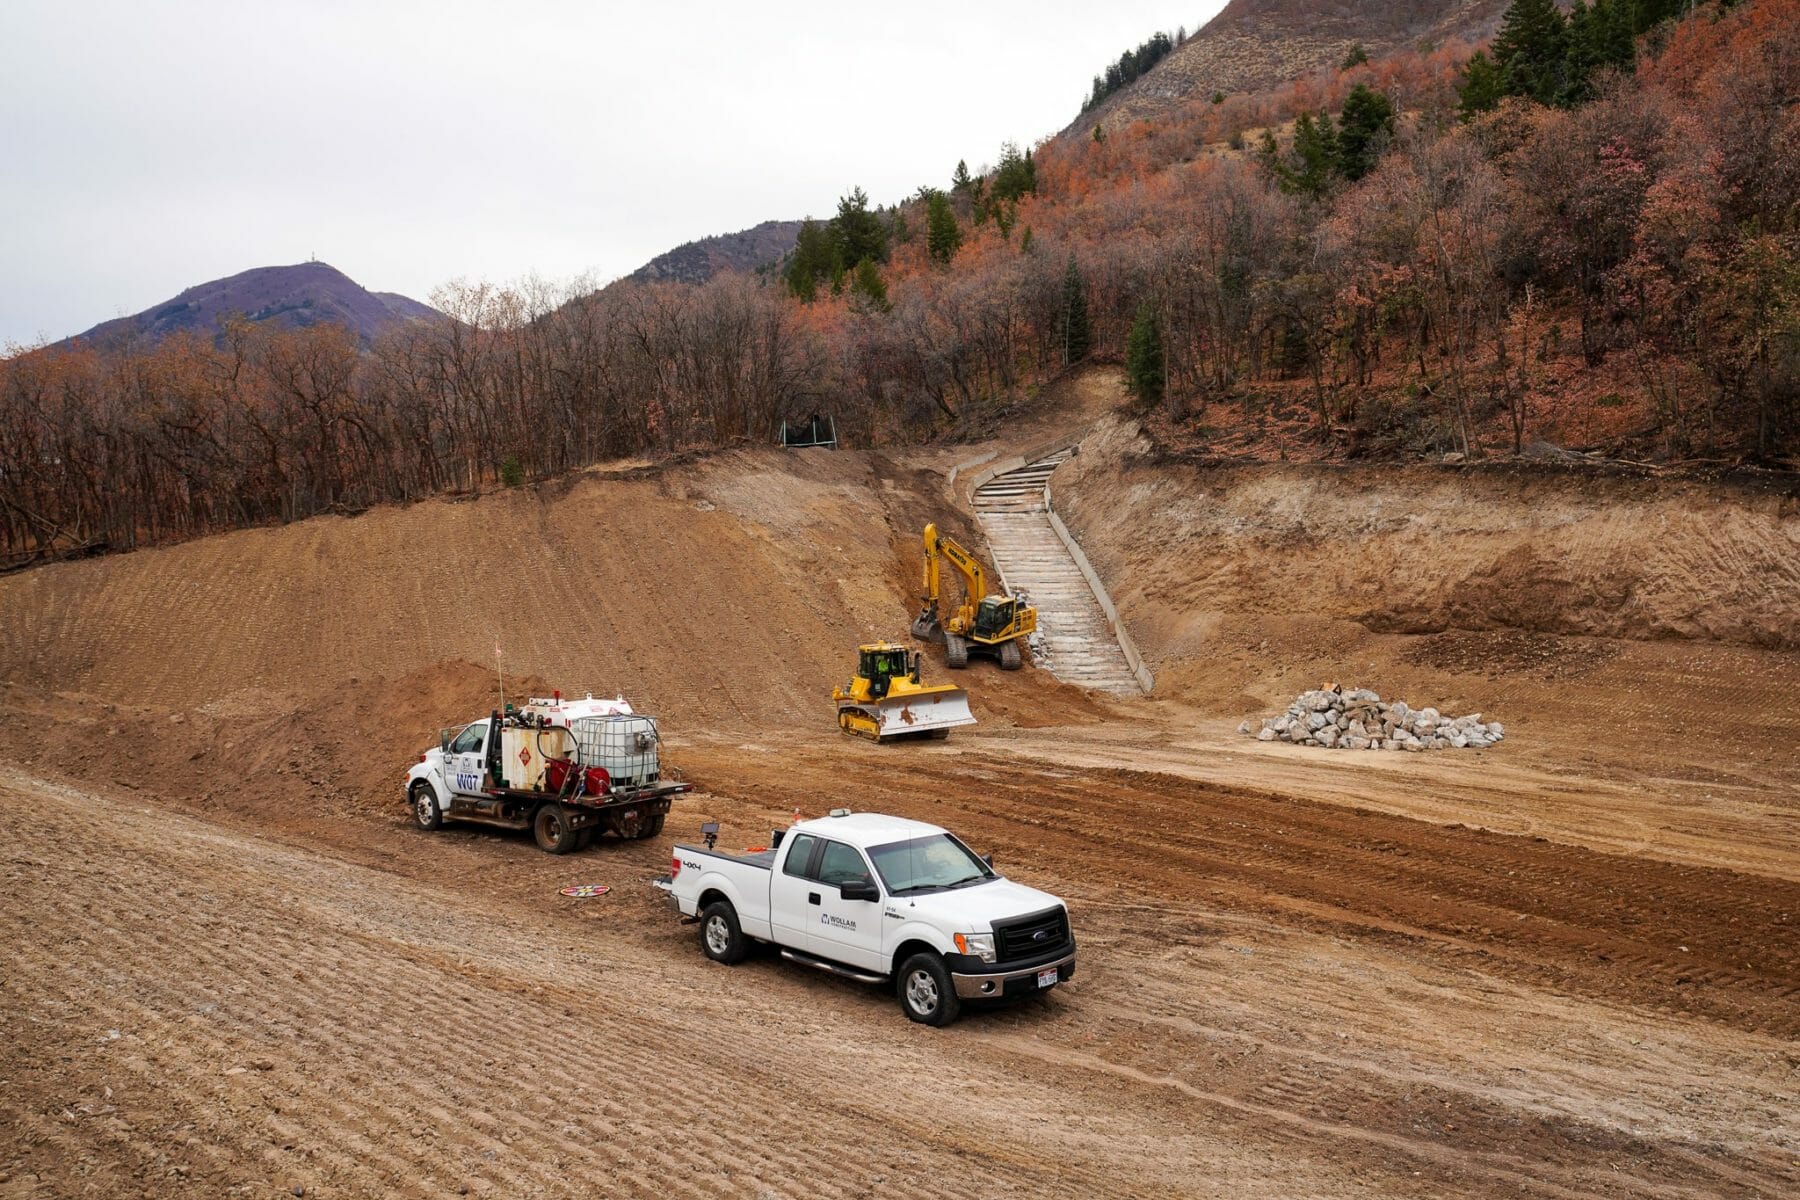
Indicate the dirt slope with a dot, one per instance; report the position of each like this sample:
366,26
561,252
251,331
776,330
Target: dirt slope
728,592
1429,549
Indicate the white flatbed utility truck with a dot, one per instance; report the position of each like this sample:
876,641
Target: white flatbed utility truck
564,769
878,898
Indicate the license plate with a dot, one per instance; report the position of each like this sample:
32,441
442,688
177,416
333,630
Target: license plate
1047,978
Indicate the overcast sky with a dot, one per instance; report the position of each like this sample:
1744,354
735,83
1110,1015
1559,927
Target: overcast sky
149,145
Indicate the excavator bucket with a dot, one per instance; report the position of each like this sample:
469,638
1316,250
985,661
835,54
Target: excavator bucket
935,711
926,626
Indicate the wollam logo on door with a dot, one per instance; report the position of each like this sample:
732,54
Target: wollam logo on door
841,923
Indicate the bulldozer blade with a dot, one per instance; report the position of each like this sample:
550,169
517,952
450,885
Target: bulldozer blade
943,708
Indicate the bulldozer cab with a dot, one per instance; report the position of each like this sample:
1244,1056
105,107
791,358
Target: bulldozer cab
881,664
995,616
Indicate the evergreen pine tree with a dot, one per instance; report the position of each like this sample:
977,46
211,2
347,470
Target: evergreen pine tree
960,182
814,259
1482,86
1316,155
1531,50
1144,356
1599,36
1584,45
1356,58
1015,176
1077,339
857,233
943,236
1364,128
1005,213
1268,153
867,286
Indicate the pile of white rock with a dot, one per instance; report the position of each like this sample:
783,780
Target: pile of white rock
1358,719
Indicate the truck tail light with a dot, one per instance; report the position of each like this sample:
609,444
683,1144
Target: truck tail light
421,758
674,867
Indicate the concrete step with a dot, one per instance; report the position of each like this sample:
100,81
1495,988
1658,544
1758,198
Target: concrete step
1073,630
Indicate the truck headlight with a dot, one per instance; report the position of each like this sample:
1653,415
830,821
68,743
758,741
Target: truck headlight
981,945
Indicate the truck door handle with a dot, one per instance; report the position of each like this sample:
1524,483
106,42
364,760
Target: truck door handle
812,897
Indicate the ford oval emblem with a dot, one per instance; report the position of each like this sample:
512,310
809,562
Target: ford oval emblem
1040,935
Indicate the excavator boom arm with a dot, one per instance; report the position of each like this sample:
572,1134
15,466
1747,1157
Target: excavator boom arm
974,575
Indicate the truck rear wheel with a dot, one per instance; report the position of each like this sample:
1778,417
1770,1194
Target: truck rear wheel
649,827
552,830
720,937
927,994
425,810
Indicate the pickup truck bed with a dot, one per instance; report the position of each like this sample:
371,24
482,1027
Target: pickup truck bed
761,858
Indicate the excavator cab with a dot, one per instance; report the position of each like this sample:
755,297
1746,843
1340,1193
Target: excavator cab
989,624
994,617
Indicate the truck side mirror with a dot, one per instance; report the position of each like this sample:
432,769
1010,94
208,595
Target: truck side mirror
858,889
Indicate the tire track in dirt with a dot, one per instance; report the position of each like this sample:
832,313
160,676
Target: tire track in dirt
1682,939
313,974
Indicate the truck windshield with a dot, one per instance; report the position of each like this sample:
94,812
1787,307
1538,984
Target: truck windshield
928,863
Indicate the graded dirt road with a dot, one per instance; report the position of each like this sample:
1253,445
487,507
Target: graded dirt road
1565,966
1276,998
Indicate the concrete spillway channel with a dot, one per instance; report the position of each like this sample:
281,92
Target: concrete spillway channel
1079,638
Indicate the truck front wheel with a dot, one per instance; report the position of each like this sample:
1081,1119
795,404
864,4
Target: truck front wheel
720,938
425,810
926,992
552,830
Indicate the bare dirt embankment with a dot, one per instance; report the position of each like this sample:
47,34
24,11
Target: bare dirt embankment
1561,966
1425,549
728,592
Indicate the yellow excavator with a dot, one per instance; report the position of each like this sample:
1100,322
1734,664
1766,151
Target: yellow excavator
991,626
887,699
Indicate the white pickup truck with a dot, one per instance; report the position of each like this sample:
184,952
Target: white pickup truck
875,898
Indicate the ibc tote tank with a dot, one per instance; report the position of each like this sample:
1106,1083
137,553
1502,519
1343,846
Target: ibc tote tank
626,747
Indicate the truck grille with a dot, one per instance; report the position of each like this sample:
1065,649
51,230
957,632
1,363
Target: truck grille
1031,936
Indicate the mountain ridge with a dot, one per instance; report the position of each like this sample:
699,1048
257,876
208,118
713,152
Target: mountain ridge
1256,44
295,296
761,245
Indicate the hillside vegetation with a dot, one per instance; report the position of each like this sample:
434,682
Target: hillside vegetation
1259,45
1377,259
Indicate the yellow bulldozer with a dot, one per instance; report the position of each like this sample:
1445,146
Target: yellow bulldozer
992,626
887,699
